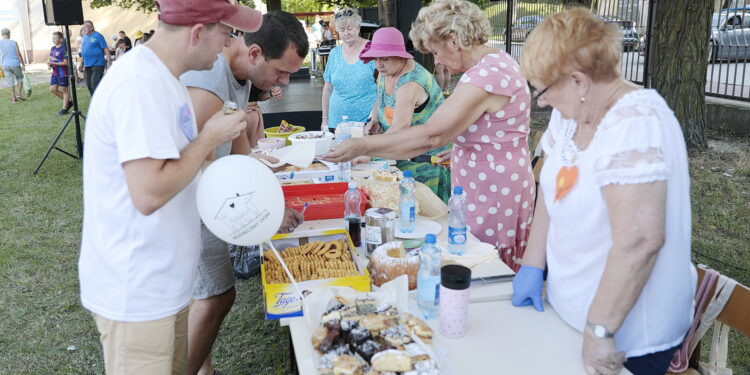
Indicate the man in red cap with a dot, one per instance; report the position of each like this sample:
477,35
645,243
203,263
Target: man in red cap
141,230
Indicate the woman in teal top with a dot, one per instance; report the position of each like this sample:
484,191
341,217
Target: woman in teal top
407,95
349,89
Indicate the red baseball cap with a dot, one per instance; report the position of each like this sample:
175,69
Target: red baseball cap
191,12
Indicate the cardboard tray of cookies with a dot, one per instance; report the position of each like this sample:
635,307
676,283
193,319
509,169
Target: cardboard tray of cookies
320,169
317,260
372,333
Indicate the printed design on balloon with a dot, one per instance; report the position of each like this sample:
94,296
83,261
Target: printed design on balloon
241,214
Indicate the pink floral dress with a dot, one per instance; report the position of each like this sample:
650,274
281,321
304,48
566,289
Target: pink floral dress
490,160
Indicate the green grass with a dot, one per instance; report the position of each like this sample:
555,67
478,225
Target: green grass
40,226
40,230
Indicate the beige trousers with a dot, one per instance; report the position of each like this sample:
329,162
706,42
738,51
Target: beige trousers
156,347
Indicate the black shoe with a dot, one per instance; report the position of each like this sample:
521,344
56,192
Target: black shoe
62,112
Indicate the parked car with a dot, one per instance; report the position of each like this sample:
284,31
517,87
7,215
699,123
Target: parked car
730,36
630,38
523,26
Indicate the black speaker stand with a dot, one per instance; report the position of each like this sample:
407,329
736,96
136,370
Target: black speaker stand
74,115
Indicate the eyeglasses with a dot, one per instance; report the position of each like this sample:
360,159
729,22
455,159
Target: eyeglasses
346,13
537,94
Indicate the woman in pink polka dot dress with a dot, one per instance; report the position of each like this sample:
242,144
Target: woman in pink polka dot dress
491,160
487,119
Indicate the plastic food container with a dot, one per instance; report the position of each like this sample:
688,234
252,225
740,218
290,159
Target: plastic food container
267,144
274,132
325,201
323,140
356,129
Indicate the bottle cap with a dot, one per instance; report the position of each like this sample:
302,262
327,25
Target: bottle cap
458,190
407,174
430,238
455,276
352,184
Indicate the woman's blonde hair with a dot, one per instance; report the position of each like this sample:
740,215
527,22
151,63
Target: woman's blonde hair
346,17
572,40
436,22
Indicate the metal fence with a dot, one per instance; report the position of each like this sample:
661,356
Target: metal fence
729,45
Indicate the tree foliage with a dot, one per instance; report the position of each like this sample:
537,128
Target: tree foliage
304,6
146,6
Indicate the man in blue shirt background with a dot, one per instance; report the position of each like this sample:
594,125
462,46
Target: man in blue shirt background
95,54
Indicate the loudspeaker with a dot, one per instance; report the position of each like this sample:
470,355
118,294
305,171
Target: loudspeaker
63,12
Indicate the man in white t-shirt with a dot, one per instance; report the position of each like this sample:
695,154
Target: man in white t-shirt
141,230
263,59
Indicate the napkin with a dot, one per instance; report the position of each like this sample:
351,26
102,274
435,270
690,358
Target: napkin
476,253
298,155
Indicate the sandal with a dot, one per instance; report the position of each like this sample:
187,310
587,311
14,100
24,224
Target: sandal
20,98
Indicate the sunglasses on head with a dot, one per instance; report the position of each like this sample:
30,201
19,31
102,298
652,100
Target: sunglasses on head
346,13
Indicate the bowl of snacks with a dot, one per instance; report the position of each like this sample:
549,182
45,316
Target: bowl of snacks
323,140
268,144
283,131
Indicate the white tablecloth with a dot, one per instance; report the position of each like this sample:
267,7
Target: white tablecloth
500,339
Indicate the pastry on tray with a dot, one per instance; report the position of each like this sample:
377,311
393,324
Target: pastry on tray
360,337
390,262
315,166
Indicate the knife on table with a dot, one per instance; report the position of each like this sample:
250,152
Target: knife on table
492,279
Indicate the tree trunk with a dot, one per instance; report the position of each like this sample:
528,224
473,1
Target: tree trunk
387,13
679,61
273,5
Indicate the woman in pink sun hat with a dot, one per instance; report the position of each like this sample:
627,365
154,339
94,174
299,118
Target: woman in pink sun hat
408,95
487,119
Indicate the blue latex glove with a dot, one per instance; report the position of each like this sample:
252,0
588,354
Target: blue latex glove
527,287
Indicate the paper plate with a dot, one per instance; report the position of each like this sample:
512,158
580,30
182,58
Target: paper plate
240,200
421,228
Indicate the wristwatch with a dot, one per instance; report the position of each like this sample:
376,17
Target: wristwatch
600,331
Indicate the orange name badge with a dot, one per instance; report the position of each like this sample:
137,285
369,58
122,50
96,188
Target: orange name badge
389,114
565,180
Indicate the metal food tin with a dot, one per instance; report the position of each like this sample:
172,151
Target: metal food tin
379,227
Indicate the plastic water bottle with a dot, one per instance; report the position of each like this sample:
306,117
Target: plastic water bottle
353,214
345,167
457,222
428,278
407,208
344,126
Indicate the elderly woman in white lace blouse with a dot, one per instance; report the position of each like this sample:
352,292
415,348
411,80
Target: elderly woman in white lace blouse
612,218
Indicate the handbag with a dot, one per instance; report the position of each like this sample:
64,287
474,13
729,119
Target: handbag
26,85
246,262
704,318
717,359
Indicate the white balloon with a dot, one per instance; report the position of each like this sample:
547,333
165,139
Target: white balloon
240,200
